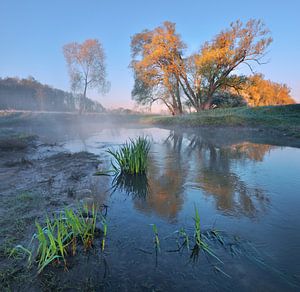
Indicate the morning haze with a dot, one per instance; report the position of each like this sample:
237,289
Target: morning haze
149,146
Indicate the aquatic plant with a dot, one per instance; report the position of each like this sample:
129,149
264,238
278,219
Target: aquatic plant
132,157
186,241
156,238
200,242
197,229
61,234
104,225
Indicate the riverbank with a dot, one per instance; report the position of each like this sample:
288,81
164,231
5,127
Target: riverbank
283,119
277,121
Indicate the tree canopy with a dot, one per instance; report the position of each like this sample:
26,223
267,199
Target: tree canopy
259,92
163,72
86,64
157,63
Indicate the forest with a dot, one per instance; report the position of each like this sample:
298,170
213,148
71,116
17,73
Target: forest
29,94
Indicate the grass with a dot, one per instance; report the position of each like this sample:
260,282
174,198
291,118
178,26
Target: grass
156,237
200,242
132,157
284,118
104,226
61,235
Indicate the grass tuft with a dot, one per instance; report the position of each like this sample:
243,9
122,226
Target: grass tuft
61,235
200,242
132,157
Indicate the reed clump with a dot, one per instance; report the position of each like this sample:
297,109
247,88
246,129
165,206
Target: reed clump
61,236
132,157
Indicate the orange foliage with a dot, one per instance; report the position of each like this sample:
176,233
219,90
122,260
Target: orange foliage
157,62
217,60
261,92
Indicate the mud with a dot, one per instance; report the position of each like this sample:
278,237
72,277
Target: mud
37,178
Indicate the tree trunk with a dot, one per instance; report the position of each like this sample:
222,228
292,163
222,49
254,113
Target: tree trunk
179,104
83,102
207,104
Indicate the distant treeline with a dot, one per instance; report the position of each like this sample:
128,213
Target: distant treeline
30,94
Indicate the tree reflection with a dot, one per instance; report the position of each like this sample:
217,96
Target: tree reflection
166,178
190,160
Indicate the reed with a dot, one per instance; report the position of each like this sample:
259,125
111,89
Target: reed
156,238
200,242
132,157
104,226
61,235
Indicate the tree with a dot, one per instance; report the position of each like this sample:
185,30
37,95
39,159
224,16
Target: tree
260,92
164,73
218,59
156,64
86,64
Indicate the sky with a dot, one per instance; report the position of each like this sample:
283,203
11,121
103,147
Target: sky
32,34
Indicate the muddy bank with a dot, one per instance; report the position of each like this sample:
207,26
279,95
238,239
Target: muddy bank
37,178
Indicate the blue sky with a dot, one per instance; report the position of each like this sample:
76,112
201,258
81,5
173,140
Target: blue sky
33,32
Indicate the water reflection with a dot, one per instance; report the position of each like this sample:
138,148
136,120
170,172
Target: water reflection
166,178
135,185
188,161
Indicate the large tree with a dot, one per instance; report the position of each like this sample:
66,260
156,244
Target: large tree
86,64
156,63
164,73
217,60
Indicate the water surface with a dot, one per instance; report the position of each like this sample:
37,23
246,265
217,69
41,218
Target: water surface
247,191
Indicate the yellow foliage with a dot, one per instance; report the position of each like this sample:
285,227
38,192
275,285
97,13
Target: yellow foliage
261,92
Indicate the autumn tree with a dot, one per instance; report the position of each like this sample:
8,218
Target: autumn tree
159,63
259,92
217,60
156,62
86,64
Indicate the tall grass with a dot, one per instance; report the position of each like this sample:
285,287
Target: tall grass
200,242
62,234
132,157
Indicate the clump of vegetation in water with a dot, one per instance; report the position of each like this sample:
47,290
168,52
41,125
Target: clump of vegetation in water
199,239
62,234
132,157
200,242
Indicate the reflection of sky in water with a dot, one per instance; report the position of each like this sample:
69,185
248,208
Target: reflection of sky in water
247,189
111,136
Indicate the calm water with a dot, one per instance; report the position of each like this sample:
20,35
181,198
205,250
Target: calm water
249,192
